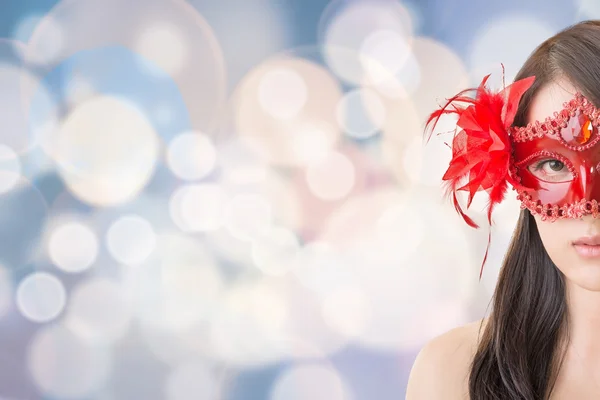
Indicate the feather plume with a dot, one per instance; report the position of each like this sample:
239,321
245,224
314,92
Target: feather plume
481,146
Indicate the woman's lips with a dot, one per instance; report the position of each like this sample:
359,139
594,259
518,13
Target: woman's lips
588,251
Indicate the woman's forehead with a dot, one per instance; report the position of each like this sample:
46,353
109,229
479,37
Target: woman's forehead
549,99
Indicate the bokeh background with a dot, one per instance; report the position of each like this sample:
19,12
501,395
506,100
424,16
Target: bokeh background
232,199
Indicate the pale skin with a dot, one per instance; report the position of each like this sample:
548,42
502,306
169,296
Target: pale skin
441,368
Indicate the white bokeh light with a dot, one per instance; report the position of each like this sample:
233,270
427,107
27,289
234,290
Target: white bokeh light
190,381
361,113
399,275
399,227
282,93
275,251
321,268
79,89
508,40
390,64
25,26
73,246
41,297
164,45
64,366
248,329
346,310
99,310
191,156
346,26
131,239
54,39
10,168
179,287
241,162
313,141
275,136
310,382
198,207
426,164
331,177
21,124
247,216
106,150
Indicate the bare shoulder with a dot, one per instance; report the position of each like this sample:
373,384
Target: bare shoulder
441,368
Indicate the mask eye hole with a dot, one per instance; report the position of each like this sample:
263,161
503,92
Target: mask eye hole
551,170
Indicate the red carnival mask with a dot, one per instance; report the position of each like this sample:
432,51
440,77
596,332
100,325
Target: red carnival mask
551,164
557,159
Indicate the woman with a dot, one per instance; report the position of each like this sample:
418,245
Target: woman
541,135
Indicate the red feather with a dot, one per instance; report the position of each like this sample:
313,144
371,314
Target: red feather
481,149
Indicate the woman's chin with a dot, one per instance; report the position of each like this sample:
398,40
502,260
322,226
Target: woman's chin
586,277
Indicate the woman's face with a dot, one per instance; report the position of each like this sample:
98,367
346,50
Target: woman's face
559,236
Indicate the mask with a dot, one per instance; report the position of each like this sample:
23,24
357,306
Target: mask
558,159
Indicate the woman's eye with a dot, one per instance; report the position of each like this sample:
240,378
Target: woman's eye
551,170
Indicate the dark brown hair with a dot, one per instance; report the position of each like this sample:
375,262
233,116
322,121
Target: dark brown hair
521,348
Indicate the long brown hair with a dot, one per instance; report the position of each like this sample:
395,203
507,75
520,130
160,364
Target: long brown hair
520,351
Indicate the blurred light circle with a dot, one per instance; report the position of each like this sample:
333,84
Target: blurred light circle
241,162
99,311
191,156
282,195
10,168
41,297
404,282
106,151
192,380
78,90
277,137
399,226
6,291
198,207
443,74
275,251
230,249
346,28
308,329
73,246
426,163
310,382
131,239
64,366
317,201
390,64
321,268
346,310
282,93
170,35
313,141
248,329
386,49
55,40
165,45
401,128
25,26
180,286
508,40
247,216
361,113
332,177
